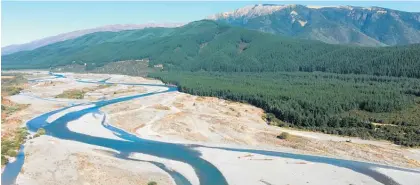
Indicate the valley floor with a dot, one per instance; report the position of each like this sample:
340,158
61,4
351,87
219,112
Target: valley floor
181,118
184,118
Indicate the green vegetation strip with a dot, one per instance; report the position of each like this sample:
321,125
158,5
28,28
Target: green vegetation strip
9,109
352,105
73,94
11,86
80,93
10,146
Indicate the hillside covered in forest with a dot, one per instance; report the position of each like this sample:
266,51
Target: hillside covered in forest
337,89
211,46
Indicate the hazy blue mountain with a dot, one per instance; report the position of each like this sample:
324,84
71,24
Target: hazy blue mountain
373,26
74,34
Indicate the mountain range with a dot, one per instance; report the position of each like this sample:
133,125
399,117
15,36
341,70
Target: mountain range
74,34
214,46
372,26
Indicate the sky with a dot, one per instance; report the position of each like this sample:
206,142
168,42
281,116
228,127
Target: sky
25,21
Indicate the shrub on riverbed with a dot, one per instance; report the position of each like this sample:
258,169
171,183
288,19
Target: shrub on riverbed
72,94
284,135
12,90
10,145
40,132
13,85
152,183
4,160
21,133
11,153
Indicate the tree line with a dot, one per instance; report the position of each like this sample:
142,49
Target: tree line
318,101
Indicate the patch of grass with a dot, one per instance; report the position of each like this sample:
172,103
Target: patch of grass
11,90
10,108
105,86
80,93
10,146
72,94
272,120
40,132
284,135
161,107
12,84
152,183
4,160
11,153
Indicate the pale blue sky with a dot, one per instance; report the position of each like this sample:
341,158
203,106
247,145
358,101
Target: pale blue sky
27,21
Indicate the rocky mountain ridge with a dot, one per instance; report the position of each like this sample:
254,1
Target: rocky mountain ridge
366,26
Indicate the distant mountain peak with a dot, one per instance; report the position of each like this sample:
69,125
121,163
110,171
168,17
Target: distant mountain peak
251,11
266,9
319,7
367,26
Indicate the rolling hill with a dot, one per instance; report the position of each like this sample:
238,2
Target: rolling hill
74,34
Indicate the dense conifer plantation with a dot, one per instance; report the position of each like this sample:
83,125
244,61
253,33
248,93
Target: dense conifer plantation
353,105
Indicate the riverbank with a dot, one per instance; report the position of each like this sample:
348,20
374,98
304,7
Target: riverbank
180,118
237,167
183,118
50,160
65,155
248,168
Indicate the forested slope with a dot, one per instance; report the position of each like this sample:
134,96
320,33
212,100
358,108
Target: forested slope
353,105
275,73
210,46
